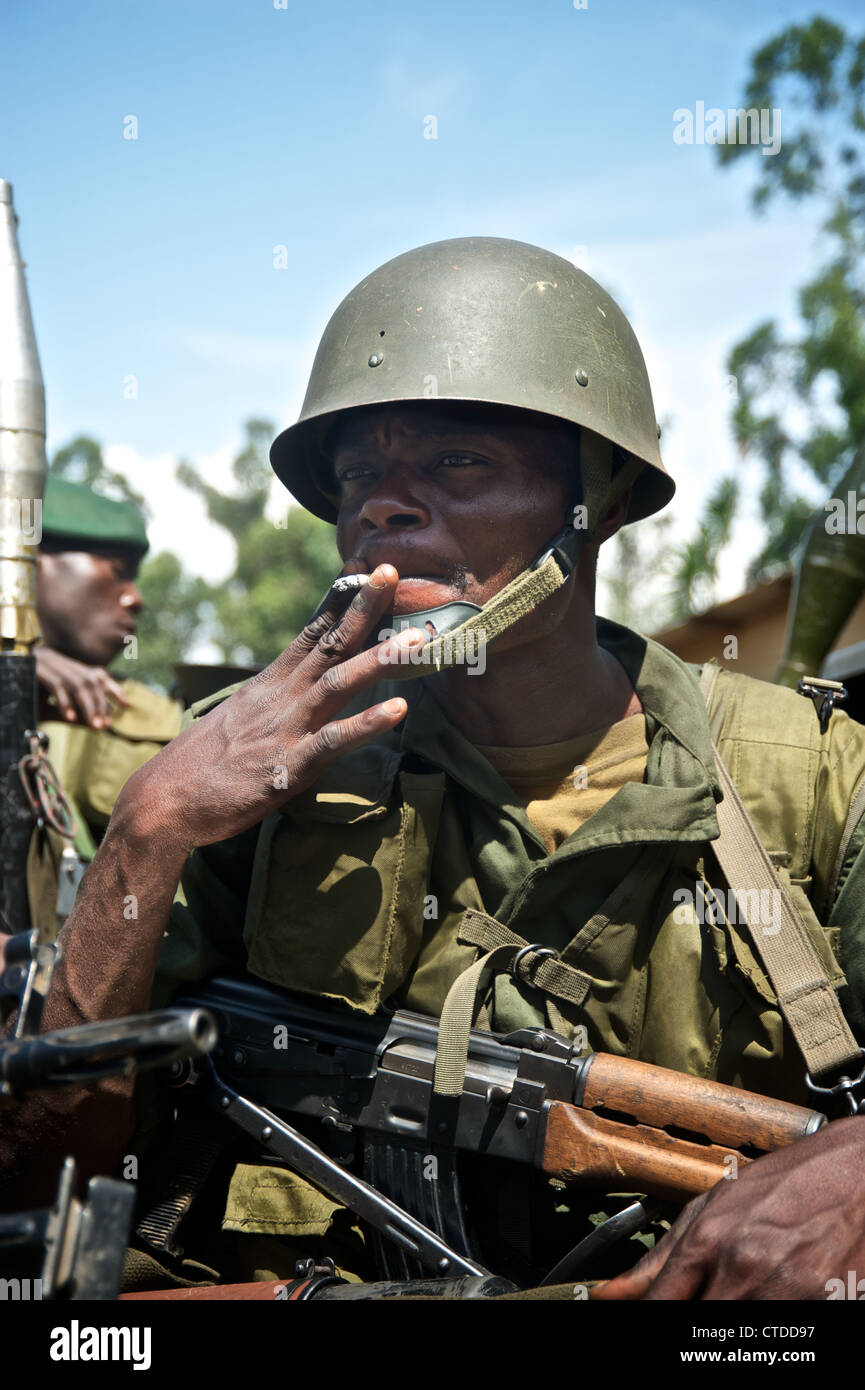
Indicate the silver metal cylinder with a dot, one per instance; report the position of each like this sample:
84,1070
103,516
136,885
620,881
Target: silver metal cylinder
22,442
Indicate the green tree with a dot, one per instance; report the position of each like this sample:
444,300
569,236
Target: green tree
177,606
281,570
251,470
81,461
800,404
634,571
696,562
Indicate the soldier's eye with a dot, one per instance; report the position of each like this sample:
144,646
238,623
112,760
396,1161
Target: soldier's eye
355,470
459,460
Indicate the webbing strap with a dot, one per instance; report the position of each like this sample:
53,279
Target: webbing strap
548,973
457,1016
805,996
506,607
456,1021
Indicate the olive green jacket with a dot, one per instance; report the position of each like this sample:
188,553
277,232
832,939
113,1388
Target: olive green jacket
92,766
356,889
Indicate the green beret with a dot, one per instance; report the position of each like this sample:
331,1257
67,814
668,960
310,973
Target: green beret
76,513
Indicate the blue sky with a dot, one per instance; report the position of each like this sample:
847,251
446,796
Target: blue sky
303,126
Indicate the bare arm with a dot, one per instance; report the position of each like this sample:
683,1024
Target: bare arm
214,781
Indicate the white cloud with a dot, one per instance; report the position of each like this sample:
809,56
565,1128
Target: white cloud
178,520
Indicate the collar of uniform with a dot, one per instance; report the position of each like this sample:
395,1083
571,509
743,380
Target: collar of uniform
669,691
675,803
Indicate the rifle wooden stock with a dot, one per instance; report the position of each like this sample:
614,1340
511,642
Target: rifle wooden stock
582,1147
722,1114
215,1293
618,1134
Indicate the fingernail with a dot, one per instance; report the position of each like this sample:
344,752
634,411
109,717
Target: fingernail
380,573
393,706
410,637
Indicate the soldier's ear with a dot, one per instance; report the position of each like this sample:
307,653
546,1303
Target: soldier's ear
614,519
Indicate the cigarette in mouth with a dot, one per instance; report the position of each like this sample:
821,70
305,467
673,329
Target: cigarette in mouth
349,583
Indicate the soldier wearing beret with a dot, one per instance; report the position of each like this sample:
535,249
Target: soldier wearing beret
101,728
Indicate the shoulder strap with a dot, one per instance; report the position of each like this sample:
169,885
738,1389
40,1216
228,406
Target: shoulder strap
805,996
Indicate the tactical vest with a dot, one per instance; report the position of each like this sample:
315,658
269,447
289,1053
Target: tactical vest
663,971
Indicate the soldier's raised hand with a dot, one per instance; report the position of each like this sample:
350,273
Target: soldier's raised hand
275,736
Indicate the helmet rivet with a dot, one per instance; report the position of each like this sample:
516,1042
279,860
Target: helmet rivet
582,378
376,359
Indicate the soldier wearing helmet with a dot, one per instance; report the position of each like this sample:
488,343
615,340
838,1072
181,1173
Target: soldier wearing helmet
373,814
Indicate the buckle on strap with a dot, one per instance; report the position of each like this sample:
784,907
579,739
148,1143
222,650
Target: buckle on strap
825,695
565,546
846,1087
527,951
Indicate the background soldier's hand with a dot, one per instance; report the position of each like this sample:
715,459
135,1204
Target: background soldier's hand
274,737
786,1226
82,694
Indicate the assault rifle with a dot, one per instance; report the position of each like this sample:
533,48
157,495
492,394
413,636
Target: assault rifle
530,1096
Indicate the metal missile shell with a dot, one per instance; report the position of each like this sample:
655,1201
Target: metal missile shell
22,443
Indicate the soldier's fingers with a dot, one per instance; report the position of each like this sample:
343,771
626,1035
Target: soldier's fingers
87,706
347,636
342,681
683,1277
116,691
63,700
328,612
94,683
332,740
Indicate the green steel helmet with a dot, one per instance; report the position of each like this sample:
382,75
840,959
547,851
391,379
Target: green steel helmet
486,320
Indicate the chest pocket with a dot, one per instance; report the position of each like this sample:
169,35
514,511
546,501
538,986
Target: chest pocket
336,904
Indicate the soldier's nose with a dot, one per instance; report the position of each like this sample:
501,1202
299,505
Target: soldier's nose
131,599
390,514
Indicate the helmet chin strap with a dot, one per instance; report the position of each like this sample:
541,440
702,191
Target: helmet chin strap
460,629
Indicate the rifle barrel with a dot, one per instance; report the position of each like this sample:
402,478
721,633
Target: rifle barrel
116,1047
